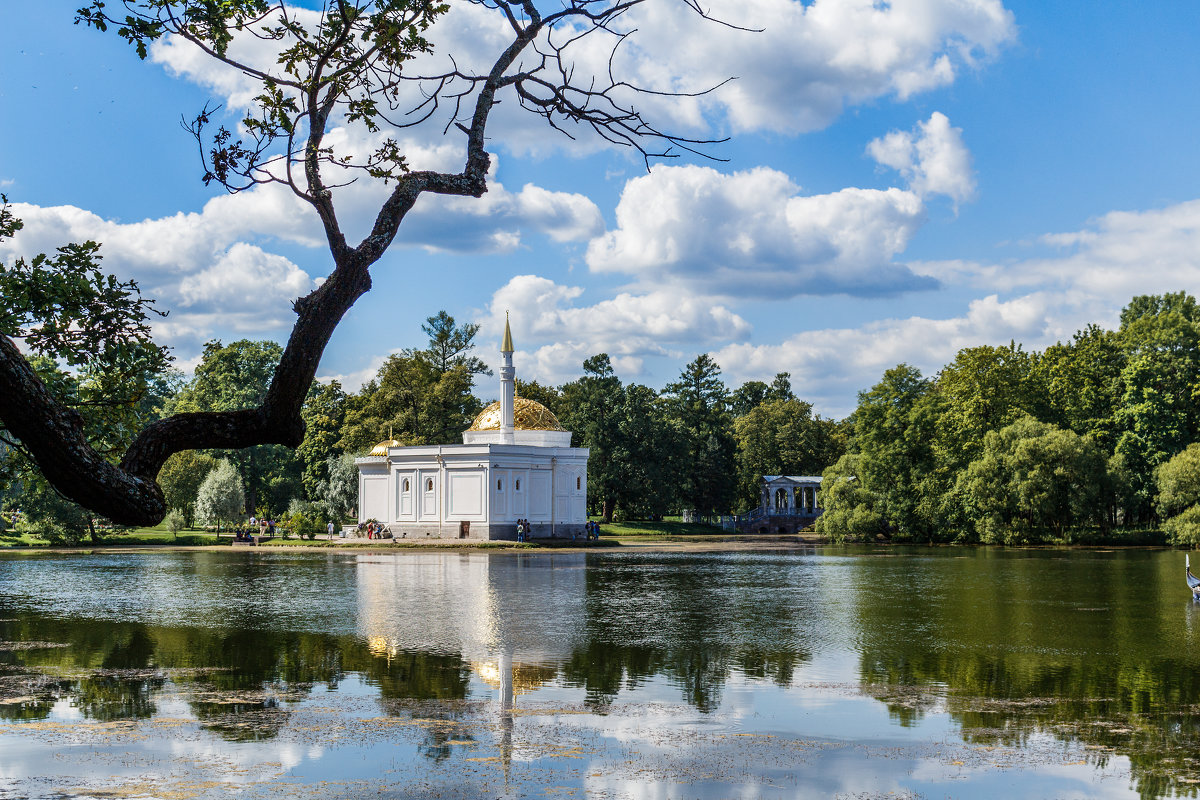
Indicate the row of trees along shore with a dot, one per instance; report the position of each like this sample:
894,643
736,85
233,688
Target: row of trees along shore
1097,438
696,444
1094,439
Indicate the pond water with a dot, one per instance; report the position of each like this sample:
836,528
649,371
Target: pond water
827,672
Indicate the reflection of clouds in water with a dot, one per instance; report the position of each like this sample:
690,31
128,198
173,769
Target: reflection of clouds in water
719,765
65,710
250,762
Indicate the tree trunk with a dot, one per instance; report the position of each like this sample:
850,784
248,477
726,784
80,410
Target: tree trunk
608,509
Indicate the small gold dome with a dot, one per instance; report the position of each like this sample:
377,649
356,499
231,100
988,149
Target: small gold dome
381,449
528,415
525,677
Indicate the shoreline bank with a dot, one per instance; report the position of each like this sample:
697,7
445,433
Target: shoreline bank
644,544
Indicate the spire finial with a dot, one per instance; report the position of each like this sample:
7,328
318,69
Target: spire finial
507,345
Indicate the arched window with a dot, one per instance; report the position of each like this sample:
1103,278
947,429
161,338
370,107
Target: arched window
517,485
578,483
429,484
499,484
406,484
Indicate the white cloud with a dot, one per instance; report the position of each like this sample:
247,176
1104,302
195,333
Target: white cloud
496,221
1120,255
806,64
355,380
234,282
556,334
830,366
810,60
932,158
750,234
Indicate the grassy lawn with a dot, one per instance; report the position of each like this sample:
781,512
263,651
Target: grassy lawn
160,535
659,529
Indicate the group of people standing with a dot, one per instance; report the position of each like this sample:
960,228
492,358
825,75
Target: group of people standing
591,530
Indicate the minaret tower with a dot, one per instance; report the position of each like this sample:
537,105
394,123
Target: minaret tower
508,385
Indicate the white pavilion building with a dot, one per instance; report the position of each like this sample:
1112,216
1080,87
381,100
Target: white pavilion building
515,462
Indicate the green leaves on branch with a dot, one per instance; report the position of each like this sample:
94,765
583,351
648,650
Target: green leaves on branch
347,61
65,308
212,22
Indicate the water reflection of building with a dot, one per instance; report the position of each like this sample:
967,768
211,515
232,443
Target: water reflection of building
476,605
514,618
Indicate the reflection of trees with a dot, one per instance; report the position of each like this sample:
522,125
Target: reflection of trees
693,620
238,683
119,660
1042,645
109,697
411,674
27,698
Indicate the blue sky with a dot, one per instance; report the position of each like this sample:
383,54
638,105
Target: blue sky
901,181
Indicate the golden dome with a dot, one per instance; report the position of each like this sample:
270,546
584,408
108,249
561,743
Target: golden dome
528,415
525,677
381,449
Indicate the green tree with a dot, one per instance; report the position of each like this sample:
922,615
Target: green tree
338,494
752,394
221,497
96,384
228,377
346,68
175,522
699,402
593,414
181,477
892,433
49,515
421,396
452,406
1178,482
985,388
324,417
1184,528
1033,479
850,508
1158,415
647,451
1083,383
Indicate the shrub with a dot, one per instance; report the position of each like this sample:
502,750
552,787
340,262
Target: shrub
53,531
1184,528
175,522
